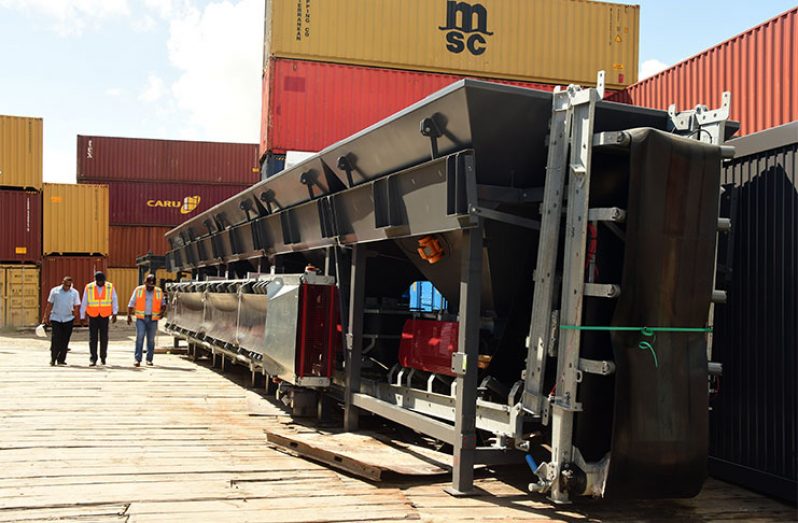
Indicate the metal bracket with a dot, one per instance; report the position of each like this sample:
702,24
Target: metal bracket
499,216
602,290
606,214
708,124
459,363
600,367
612,139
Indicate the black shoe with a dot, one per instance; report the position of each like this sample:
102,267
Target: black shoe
149,363
52,363
103,362
62,363
93,364
137,364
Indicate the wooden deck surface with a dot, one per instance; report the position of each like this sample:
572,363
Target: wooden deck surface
183,442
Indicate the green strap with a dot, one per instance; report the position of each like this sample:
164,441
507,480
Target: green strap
645,331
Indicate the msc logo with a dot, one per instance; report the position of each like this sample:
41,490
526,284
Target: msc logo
466,27
188,205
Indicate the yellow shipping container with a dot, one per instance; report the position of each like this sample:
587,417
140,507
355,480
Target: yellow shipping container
126,280
19,287
75,219
549,41
21,152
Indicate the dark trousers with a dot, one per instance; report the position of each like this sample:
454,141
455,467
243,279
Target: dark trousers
62,332
98,330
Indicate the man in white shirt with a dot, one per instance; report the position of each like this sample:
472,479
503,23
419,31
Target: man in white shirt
60,313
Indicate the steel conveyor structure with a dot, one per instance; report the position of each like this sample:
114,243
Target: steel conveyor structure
573,240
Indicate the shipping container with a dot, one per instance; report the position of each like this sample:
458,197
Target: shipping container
753,425
310,105
80,268
549,41
21,219
126,281
164,204
126,243
759,67
21,152
19,289
75,219
104,159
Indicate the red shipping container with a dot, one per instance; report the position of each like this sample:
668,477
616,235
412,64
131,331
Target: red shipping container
310,105
163,204
759,67
103,159
81,268
21,218
127,243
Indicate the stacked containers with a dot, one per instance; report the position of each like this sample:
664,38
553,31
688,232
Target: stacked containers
321,84
758,67
155,185
20,215
75,237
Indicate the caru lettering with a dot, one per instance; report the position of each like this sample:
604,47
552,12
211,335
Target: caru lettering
466,27
186,206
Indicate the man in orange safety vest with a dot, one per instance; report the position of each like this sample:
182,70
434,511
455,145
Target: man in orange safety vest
100,304
147,303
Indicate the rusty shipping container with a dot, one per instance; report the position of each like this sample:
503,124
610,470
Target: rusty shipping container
21,219
754,417
104,159
75,219
126,243
548,41
19,295
21,152
81,268
307,106
164,204
759,67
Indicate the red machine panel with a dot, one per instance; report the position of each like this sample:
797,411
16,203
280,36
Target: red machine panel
318,338
428,345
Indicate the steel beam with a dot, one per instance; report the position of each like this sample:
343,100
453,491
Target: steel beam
408,418
464,363
354,345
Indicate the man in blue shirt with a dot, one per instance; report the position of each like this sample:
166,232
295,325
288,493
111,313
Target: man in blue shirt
60,313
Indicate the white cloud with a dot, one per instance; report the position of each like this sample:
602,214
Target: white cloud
71,17
154,90
144,24
114,92
217,51
651,67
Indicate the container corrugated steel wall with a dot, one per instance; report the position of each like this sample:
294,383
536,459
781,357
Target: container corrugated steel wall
759,67
127,243
164,204
309,105
549,41
75,219
753,418
21,219
21,152
103,159
81,268
19,289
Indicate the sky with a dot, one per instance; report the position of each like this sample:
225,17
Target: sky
191,69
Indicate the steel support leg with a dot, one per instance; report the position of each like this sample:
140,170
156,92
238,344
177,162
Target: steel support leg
464,363
354,340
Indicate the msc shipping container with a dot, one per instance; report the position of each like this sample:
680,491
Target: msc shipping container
753,425
80,268
759,67
19,290
127,243
21,152
104,159
308,105
75,219
549,41
164,204
21,219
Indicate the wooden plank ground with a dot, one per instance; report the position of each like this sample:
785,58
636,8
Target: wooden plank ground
182,442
